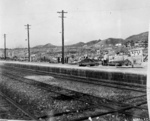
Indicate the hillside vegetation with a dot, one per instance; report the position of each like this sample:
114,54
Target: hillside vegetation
81,47
143,37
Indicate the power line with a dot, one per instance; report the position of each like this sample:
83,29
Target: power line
28,41
62,16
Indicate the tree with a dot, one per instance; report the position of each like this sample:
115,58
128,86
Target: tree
132,43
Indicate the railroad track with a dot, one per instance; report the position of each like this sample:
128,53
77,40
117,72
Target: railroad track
114,107
112,110
47,86
7,103
111,84
60,91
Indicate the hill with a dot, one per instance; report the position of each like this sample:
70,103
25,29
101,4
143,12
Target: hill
79,44
108,42
49,45
93,42
141,38
82,47
38,46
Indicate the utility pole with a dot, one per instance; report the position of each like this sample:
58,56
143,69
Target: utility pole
5,46
28,41
62,16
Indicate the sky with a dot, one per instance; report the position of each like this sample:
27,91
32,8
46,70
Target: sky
85,20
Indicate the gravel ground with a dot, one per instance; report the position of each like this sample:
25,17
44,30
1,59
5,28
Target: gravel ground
96,90
43,102
115,94
40,102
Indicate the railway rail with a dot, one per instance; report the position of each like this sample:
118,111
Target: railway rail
8,102
112,106
59,88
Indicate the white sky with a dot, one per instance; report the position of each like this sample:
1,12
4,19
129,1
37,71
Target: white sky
86,20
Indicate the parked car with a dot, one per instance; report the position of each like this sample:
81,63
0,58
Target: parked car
53,60
120,62
88,62
75,62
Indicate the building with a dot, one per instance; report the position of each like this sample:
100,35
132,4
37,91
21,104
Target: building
118,44
1,53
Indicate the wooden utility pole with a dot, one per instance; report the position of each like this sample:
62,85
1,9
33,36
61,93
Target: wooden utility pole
62,16
28,41
5,46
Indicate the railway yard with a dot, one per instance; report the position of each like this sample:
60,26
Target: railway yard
60,93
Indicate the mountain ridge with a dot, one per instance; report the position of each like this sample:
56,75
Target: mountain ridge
142,37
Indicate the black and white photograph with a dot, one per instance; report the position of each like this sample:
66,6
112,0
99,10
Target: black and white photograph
74,60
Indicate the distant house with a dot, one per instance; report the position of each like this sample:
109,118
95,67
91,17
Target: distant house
128,44
136,44
84,46
33,57
1,54
143,44
10,54
98,52
118,44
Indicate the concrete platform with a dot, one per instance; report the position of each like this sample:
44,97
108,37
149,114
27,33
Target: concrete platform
99,73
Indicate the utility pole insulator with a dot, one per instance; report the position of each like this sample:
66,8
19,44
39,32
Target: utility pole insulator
28,41
62,12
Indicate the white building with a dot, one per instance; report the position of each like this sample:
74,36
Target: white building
118,44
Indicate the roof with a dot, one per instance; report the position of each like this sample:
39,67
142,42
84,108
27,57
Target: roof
137,49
